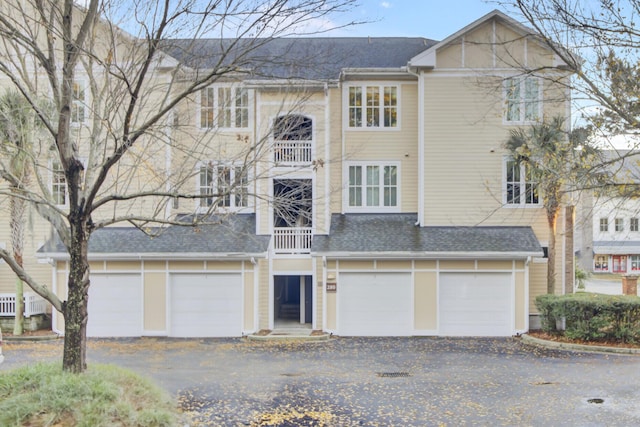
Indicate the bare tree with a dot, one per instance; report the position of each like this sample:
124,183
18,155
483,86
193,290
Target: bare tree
598,42
119,99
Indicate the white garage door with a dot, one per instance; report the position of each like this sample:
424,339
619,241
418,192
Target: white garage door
375,304
206,305
475,304
115,305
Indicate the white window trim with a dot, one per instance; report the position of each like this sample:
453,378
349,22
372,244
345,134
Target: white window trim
363,86
521,80
601,223
522,204
66,191
632,225
233,87
618,225
372,209
81,82
223,209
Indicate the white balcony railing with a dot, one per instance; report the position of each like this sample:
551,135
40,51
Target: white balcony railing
292,153
33,304
292,240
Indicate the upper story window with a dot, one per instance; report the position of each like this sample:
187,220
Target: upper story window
373,187
373,106
227,185
224,107
522,99
78,103
604,224
619,224
520,188
634,224
58,184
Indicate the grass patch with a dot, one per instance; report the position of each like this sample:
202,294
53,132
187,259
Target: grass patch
105,395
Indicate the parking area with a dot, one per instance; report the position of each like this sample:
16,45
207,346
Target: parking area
373,381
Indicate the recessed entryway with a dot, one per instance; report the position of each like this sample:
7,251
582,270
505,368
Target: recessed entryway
292,301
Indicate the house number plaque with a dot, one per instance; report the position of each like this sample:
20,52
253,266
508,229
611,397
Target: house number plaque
332,286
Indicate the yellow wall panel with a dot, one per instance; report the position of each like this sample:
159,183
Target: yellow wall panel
155,302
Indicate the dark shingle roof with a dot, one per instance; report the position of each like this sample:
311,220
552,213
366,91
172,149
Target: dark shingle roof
389,233
320,58
232,235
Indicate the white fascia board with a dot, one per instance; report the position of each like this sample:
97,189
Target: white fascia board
63,256
277,83
397,72
616,250
429,255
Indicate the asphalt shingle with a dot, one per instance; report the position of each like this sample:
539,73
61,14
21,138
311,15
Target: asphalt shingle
233,234
388,233
317,58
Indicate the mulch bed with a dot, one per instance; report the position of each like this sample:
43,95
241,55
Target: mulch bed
559,338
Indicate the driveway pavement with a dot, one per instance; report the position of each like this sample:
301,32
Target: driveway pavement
374,381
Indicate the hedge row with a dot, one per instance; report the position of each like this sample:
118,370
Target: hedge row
591,317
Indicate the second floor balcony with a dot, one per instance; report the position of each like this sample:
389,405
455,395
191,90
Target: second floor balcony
292,153
292,240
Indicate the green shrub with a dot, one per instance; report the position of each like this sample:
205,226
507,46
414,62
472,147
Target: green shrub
592,317
42,394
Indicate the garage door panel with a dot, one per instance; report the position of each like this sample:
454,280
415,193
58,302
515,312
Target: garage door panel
206,305
115,305
475,304
375,304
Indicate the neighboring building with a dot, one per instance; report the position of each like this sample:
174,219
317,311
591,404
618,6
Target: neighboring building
390,206
610,221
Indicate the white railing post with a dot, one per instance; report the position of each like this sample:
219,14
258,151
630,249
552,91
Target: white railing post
292,240
33,304
292,153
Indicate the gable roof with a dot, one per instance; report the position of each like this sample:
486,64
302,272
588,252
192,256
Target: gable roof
228,237
311,58
396,235
427,58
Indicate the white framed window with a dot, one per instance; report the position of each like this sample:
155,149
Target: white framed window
604,224
635,262
78,103
520,188
373,106
634,224
619,224
601,263
58,184
226,184
523,99
224,107
373,187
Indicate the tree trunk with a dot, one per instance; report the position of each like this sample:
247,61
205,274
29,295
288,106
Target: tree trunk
569,267
17,224
18,323
74,358
552,219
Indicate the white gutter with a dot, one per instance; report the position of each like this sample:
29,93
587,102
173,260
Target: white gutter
421,148
63,256
429,255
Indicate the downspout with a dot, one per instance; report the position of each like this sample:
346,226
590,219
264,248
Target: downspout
527,313
421,143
